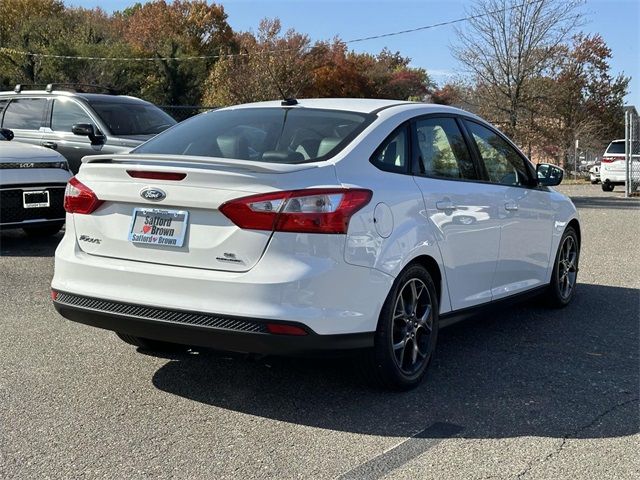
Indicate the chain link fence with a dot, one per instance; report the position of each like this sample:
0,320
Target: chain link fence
181,113
632,151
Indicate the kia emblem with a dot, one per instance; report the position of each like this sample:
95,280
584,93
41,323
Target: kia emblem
153,194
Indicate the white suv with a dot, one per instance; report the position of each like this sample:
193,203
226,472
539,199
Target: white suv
613,165
326,224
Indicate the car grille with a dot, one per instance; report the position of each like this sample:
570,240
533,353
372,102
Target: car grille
152,313
13,211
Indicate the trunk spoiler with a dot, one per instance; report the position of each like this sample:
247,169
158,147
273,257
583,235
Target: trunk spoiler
196,161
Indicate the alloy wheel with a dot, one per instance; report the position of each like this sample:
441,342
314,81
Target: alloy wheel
567,267
412,326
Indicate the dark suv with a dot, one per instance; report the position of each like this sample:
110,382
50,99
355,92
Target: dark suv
76,124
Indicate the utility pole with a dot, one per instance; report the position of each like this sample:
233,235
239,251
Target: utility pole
575,160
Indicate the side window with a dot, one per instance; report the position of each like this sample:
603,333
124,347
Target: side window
504,165
3,104
393,154
442,151
24,113
66,113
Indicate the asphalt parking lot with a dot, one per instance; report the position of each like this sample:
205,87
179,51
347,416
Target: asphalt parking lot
526,393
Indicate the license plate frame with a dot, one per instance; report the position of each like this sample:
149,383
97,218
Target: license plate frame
43,203
162,235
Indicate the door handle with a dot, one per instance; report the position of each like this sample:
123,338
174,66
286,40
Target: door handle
511,207
52,145
446,205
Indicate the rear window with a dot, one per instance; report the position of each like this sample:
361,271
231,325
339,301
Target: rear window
277,135
128,118
616,147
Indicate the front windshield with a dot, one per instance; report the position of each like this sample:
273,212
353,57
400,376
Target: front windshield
268,134
128,118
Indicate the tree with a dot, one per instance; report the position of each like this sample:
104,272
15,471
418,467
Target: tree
506,46
587,102
271,64
168,31
260,67
33,26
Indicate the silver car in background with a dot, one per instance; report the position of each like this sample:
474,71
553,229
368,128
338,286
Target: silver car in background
32,184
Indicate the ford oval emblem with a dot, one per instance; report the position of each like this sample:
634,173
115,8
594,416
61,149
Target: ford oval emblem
153,194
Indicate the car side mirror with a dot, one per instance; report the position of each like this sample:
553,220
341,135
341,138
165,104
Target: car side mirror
6,133
88,130
549,175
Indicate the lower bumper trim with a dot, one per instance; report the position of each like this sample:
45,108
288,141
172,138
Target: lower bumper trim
228,333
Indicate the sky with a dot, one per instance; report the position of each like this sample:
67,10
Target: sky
618,21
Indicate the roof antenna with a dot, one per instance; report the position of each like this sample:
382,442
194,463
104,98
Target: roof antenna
286,101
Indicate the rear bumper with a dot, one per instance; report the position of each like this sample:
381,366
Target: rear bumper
301,279
221,332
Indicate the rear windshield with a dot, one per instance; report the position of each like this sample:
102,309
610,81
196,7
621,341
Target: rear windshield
616,147
277,135
124,119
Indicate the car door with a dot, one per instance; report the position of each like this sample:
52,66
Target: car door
462,210
24,116
65,112
526,213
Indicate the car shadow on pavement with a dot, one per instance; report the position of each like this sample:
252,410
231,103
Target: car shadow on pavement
527,371
16,243
607,202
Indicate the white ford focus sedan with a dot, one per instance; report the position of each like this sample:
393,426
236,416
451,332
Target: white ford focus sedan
298,227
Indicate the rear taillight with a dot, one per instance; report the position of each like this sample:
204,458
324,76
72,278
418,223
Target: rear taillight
609,159
78,198
316,210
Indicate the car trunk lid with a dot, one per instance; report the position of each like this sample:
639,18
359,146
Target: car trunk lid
190,205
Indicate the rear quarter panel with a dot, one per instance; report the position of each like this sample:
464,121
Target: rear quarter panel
410,235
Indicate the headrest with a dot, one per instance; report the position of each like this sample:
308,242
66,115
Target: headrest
327,144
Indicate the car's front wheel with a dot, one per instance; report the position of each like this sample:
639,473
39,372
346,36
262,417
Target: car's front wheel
565,270
607,187
405,339
151,345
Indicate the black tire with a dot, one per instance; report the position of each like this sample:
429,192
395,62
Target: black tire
43,230
394,368
607,187
564,271
151,345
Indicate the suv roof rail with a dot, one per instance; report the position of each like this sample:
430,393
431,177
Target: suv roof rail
74,87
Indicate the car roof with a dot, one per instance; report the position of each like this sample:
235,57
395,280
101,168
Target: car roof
90,97
361,105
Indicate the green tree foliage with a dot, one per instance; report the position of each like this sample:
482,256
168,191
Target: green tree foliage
167,32
33,26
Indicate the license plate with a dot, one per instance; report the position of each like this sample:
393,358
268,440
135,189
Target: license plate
35,199
152,226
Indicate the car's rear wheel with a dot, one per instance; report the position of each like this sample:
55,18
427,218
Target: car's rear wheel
43,230
565,270
151,345
407,332
607,187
